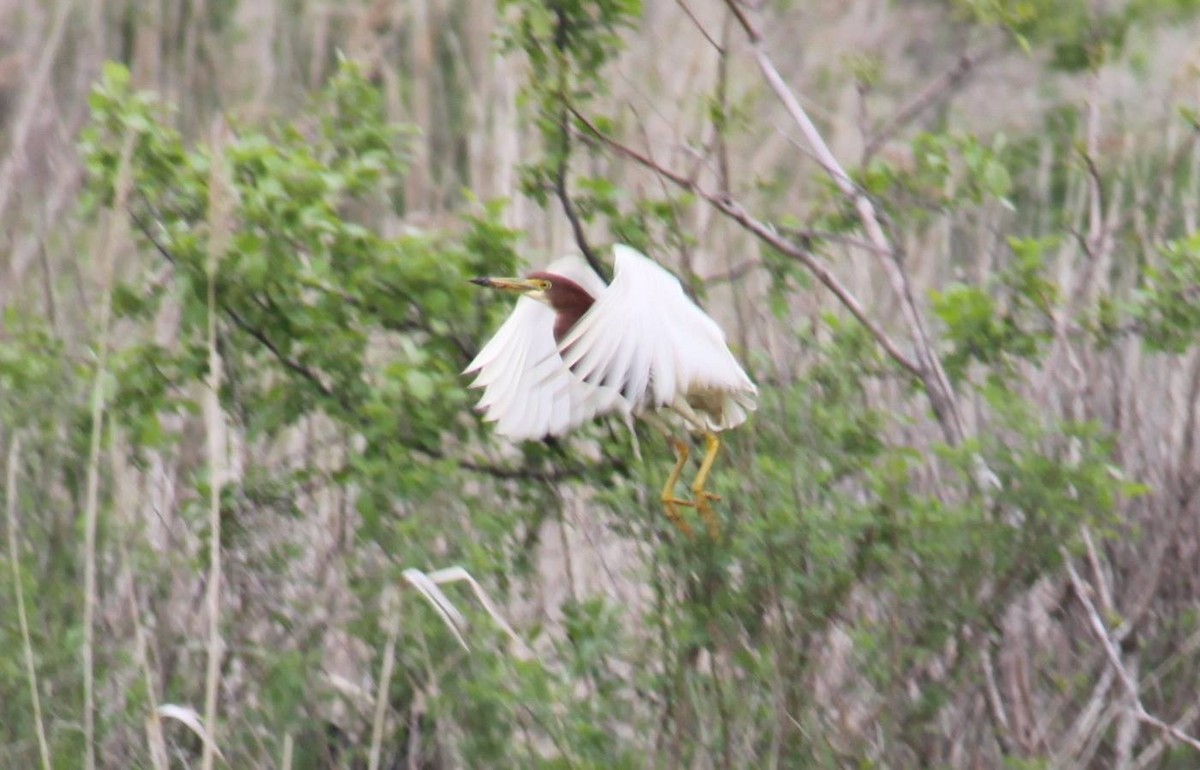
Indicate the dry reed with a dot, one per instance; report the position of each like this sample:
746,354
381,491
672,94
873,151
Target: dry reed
220,203
14,558
114,240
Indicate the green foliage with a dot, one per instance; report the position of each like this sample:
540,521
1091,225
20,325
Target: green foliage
1078,35
304,287
569,34
1167,303
569,44
951,171
321,317
35,375
1000,332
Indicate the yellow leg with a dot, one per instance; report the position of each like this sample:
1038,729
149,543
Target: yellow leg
670,502
700,495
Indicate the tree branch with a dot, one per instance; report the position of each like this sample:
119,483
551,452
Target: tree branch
768,235
1114,659
560,171
937,90
933,376
568,206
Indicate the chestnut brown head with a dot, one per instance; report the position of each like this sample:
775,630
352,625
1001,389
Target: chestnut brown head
568,299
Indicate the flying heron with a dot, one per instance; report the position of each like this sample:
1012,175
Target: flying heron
573,349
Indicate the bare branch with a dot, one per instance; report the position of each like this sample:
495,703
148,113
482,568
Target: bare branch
768,235
687,10
564,156
937,90
1114,658
937,385
568,206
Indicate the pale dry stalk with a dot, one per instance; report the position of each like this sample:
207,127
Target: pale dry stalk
289,743
35,96
115,235
391,612
220,202
14,558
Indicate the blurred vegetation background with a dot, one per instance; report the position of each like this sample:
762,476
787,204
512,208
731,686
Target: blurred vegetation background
240,464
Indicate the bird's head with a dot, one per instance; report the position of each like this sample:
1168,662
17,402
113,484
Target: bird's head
568,299
533,287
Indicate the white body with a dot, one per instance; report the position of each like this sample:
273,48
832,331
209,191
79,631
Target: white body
643,345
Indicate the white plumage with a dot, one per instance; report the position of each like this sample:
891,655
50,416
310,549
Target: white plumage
643,345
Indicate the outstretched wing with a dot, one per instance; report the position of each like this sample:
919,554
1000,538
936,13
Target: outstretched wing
527,391
645,338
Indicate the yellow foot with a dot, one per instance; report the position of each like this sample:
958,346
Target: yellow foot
671,507
701,495
670,502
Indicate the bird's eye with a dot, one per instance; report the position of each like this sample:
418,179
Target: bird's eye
543,285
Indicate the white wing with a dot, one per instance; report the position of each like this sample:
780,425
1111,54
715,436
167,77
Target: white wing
574,267
527,391
647,339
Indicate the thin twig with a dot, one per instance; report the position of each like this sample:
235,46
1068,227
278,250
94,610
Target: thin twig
696,22
568,206
685,252
734,273
1150,756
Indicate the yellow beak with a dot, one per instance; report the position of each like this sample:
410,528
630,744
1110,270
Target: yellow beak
508,284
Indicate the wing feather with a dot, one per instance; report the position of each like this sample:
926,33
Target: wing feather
527,392
645,337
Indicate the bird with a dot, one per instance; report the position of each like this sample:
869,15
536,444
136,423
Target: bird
574,349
